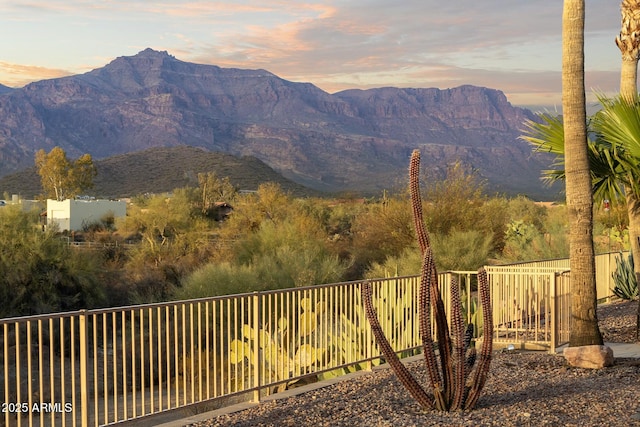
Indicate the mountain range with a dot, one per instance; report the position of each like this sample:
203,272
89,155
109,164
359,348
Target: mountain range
358,140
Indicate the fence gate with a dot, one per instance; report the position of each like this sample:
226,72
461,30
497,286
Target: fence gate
530,307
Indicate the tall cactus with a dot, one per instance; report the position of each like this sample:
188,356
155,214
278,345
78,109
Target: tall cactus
455,378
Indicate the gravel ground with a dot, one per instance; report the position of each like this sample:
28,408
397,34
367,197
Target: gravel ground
523,389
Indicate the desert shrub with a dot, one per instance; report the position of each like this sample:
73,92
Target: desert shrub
407,263
290,254
523,209
459,251
611,228
462,250
218,279
624,278
466,225
250,211
381,230
455,202
39,273
525,243
535,233
173,242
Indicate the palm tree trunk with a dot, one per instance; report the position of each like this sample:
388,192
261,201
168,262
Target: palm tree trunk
628,79
584,327
628,41
633,212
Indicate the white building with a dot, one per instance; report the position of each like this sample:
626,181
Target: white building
74,215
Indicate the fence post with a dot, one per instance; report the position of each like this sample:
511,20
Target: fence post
84,389
553,285
371,342
256,350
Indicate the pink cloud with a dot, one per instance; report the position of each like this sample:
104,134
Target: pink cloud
17,75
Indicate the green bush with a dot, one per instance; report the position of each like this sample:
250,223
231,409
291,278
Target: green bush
288,266
289,254
217,280
407,263
461,250
39,273
456,251
524,242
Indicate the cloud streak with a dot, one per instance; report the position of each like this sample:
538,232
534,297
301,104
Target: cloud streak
20,75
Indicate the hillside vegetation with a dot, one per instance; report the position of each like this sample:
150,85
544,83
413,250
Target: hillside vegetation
160,170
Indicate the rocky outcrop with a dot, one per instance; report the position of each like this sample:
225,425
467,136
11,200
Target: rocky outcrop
355,139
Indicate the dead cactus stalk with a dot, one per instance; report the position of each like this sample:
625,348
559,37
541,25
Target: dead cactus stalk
455,378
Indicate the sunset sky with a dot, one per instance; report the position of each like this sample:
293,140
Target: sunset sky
511,45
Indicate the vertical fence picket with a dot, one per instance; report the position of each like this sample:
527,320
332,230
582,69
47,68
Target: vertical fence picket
254,320
84,383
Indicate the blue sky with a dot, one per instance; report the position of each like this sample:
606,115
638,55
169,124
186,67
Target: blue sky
511,45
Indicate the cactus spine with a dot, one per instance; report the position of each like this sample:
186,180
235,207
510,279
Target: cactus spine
456,380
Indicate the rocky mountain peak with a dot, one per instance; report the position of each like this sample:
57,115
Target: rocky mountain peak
351,140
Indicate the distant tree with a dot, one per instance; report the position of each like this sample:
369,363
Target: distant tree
214,190
62,178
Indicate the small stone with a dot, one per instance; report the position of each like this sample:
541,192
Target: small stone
589,356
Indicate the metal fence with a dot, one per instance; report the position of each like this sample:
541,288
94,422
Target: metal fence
605,266
96,367
531,307
531,301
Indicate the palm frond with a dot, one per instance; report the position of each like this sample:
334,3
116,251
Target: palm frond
610,167
547,136
619,124
607,171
